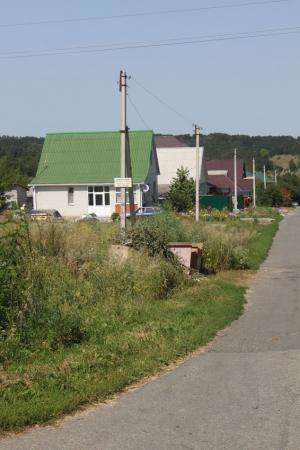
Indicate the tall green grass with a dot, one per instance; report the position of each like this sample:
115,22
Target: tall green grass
78,324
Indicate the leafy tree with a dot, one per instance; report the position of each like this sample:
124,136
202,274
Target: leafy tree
291,182
264,153
23,152
182,191
9,175
272,196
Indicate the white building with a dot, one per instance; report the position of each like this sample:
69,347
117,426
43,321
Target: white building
172,154
76,172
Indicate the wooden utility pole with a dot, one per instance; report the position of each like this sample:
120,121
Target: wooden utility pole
254,184
275,176
197,135
123,130
235,206
265,179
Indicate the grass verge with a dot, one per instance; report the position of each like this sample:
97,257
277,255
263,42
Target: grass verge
128,338
258,248
154,335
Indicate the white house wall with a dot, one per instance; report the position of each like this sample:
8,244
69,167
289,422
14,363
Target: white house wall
172,159
56,197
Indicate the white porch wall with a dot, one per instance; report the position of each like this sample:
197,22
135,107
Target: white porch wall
56,197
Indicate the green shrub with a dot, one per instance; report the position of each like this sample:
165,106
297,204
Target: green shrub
271,196
57,278
154,234
225,246
12,275
115,217
182,191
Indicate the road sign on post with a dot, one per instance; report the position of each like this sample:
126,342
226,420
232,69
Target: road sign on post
123,182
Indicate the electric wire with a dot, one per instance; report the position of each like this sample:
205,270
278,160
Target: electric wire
162,102
152,44
138,112
117,45
141,14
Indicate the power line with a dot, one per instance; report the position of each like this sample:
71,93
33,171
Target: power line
116,46
141,14
138,112
100,48
163,102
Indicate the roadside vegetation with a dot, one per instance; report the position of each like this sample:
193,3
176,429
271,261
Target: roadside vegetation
78,324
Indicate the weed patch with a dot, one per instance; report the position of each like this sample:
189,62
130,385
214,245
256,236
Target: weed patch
78,326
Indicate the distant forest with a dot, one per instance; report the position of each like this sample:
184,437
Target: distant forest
221,146
19,156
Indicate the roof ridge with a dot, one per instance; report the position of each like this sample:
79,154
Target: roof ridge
63,133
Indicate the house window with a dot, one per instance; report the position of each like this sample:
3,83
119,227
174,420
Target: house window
99,195
91,200
71,196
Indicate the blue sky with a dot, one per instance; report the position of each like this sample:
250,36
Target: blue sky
242,86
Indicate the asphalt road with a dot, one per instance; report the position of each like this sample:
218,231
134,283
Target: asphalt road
242,394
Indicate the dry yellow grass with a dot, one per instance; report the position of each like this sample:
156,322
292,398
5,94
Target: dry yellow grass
284,160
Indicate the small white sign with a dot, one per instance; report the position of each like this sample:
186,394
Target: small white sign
123,182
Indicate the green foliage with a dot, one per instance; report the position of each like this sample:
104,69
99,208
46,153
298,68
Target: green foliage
154,234
225,245
10,174
291,182
79,322
271,196
22,152
115,217
221,145
258,248
264,153
128,340
182,191
12,274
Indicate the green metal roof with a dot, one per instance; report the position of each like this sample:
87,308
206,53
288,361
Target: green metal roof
259,176
93,157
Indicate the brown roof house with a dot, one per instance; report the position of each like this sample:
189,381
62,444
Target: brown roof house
221,177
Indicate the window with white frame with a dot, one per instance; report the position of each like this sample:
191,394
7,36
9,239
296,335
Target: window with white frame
99,195
71,196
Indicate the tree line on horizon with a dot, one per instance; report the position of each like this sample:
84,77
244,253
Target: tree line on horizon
263,148
19,156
